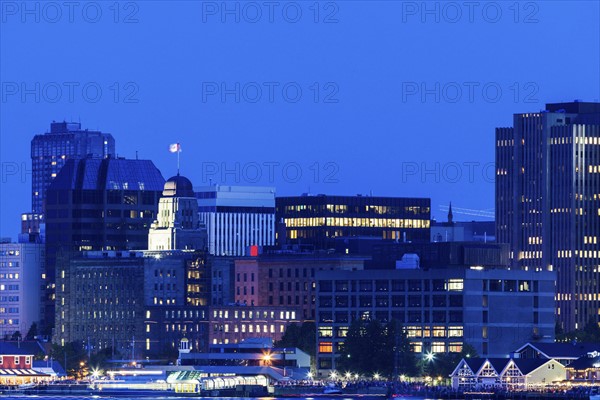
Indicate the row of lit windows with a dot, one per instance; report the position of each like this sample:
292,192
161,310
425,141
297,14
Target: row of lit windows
587,140
358,222
9,287
250,328
433,331
527,255
534,240
224,314
9,321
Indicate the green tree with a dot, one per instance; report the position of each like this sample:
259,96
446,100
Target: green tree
72,354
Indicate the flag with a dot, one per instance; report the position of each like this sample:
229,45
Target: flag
175,148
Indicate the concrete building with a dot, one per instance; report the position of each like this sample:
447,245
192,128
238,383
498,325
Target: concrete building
50,152
177,225
287,279
139,303
237,217
21,283
233,324
316,221
440,309
547,202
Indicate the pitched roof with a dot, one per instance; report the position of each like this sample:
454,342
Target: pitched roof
28,348
474,363
499,363
527,365
585,362
563,350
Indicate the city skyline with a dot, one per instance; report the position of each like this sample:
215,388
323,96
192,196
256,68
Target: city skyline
377,87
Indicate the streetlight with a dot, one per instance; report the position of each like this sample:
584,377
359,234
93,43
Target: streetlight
333,375
429,356
348,375
376,376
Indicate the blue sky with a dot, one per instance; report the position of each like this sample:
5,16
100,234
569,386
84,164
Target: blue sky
394,98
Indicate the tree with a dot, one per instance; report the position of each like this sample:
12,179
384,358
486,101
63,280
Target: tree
372,348
302,336
32,333
16,336
73,355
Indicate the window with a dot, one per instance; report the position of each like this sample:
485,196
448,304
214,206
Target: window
325,347
17,360
455,285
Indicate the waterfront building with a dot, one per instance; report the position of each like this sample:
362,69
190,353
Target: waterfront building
565,353
585,370
506,373
237,217
139,303
440,309
547,202
287,279
99,204
235,323
50,152
16,364
21,281
316,221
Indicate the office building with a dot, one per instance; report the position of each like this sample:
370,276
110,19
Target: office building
21,282
140,303
235,323
316,221
237,217
50,152
548,202
99,204
493,310
287,279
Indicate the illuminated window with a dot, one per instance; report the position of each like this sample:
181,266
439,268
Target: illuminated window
325,347
455,285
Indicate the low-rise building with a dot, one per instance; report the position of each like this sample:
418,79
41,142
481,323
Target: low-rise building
585,369
440,309
16,364
564,353
506,373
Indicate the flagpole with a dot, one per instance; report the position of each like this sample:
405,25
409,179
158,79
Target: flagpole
178,151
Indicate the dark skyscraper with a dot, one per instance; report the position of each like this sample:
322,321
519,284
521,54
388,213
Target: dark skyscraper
99,204
50,152
548,202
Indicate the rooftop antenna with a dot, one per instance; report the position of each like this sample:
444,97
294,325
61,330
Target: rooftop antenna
136,154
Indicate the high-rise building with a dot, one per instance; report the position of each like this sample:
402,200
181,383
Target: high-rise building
99,204
237,217
317,221
548,202
51,150
21,281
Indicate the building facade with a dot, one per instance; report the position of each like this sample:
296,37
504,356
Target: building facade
99,204
138,303
547,202
287,280
21,282
316,221
440,309
51,150
233,324
237,217
177,225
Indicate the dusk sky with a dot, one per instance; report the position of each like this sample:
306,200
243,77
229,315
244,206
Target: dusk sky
389,98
